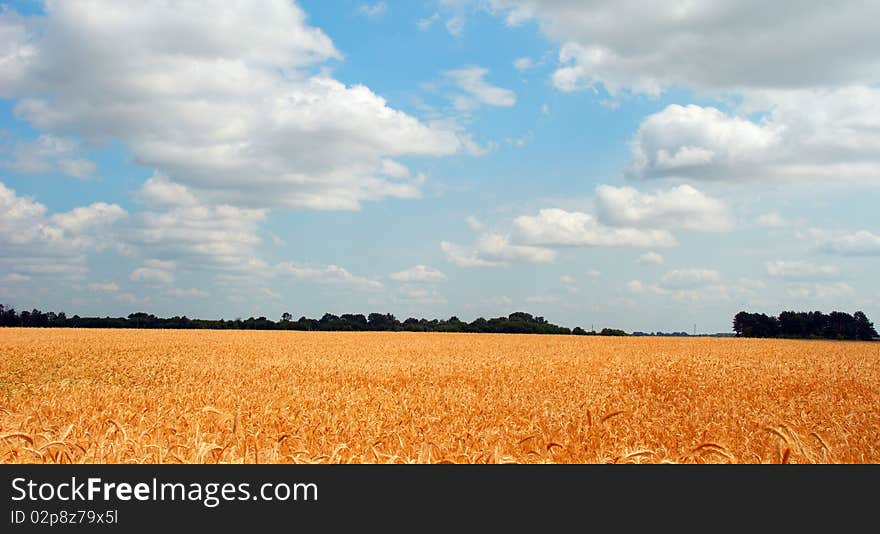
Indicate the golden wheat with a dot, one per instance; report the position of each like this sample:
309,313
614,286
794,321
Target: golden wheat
105,396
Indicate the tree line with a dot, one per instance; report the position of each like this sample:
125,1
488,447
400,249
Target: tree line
805,325
515,323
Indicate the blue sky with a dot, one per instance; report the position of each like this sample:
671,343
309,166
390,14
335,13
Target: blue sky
639,165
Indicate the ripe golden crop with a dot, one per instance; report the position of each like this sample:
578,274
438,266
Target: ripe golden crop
151,396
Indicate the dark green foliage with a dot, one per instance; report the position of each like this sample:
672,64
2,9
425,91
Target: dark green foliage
805,325
515,323
612,332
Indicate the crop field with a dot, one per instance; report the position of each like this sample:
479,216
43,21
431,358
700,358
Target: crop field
152,396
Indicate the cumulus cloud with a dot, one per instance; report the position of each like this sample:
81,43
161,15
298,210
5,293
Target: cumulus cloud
374,10
49,153
38,243
772,220
808,97
558,227
179,226
639,47
474,224
802,135
699,143
651,258
455,25
477,91
626,217
800,270
152,275
427,22
860,243
679,207
821,291
695,291
104,287
419,273
523,63
159,191
327,274
219,96
494,250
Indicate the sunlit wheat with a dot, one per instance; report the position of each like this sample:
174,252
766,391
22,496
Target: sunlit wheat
70,396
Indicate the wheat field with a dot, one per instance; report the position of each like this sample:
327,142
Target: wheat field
150,396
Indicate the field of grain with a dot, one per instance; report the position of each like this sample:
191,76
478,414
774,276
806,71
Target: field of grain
270,397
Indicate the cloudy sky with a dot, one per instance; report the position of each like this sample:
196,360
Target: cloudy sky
646,165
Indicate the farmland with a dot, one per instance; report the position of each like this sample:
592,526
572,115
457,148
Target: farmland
168,396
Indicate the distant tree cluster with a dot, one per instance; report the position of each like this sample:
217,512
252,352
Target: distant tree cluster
805,325
515,323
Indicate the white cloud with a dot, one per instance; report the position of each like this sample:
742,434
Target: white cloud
152,275
679,207
83,218
455,25
104,287
219,236
218,96
374,10
49,153
524,63
474,224
427,22
806,135
693,292
821,291
637,286
39,243
651,257
689,278
800,270
167,265
644,47
327,274
159,191
860,243
557,227
494,250
477,91
700,143
567,279
463,257
419,273
772,220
